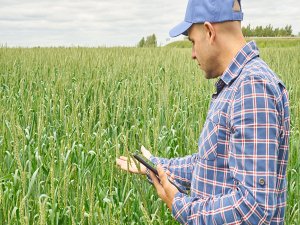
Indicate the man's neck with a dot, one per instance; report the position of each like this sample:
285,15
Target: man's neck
230,50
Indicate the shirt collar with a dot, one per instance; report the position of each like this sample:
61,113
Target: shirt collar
248,52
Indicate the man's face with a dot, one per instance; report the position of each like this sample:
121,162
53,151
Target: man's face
203,51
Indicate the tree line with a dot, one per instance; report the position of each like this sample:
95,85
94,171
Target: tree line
248,31
267,31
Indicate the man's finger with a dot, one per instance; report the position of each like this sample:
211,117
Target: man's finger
162,175
119,162
160,170
123,164
170,175
123,157
157,185
154,178
173,177
124,167
145,152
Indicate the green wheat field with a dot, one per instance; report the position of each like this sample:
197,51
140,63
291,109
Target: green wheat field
67,113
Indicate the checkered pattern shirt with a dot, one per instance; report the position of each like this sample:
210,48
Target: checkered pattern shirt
238,174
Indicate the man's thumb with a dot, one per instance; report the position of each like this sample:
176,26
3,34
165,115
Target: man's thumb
145,152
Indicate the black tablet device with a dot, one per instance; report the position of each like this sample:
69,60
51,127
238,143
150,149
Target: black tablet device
150,167
146,164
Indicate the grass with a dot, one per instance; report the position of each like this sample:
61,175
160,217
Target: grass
66,113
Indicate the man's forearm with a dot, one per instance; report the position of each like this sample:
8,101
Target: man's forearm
233,208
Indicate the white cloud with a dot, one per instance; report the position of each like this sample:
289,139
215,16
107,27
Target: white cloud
115,22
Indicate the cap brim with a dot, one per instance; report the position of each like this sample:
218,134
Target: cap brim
181,28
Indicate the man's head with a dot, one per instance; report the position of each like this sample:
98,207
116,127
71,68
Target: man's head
214,45
214,28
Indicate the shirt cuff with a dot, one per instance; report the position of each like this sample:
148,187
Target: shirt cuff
154,159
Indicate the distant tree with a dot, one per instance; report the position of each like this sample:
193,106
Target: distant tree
282,32
258,31
289,30
268,31
247,31
141,43
276,32
151,41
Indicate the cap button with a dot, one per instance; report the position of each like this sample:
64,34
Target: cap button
262,181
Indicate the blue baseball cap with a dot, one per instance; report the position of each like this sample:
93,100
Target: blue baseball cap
213,11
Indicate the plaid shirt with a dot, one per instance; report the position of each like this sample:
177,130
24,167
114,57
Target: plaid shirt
238,175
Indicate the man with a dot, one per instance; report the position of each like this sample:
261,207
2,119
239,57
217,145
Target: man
238,174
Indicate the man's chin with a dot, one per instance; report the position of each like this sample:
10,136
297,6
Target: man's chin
209,75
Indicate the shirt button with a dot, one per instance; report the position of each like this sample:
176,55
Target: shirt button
262,181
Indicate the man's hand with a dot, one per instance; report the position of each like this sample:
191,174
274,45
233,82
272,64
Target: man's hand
129,165
165,190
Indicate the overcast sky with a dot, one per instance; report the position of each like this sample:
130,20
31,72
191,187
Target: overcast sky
116,22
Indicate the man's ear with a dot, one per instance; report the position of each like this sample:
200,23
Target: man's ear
210,32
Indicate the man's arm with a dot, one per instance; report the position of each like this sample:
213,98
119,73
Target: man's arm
180,168
252,161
